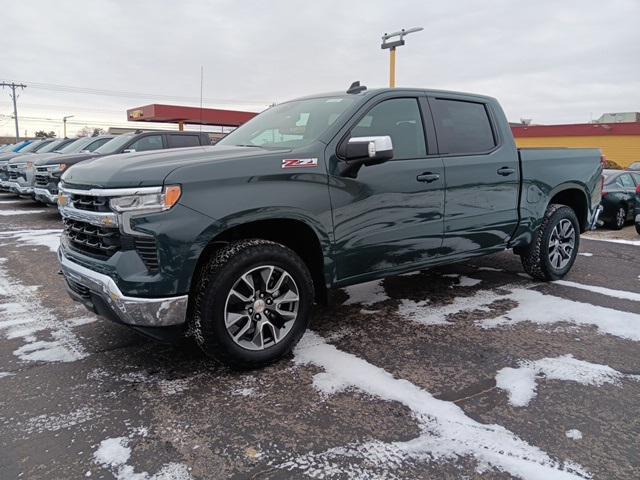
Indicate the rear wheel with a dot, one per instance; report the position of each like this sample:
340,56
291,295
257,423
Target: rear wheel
252,303
555,244
619,219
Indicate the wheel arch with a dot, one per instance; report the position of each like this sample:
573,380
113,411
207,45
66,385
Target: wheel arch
574,197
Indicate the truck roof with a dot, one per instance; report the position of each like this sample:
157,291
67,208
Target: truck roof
376,91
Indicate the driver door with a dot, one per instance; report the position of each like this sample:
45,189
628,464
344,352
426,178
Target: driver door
390,216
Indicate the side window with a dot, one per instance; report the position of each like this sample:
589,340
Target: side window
462,127
625,181
98,143
178,141
400,119
636,177
150,142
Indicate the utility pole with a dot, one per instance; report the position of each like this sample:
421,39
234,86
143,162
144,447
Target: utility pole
64,121
13,87
391,46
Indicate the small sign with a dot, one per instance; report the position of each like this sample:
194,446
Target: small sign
300,163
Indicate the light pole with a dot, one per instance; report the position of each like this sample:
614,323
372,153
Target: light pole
64,121
391,46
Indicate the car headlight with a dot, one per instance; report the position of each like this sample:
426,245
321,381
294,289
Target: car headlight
60,167
150,201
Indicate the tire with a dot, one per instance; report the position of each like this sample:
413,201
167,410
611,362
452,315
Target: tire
232,268
619,219
638,228
537,257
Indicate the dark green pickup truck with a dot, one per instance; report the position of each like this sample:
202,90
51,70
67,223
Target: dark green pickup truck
232,244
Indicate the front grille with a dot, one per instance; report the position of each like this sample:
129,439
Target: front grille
79,289
90,203
42,181
13,175
93,240
148,252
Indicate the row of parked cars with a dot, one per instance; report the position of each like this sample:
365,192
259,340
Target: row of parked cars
33,168
621,198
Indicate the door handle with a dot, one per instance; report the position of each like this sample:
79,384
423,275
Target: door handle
504,171
428,177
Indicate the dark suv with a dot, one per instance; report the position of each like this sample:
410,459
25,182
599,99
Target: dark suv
48,170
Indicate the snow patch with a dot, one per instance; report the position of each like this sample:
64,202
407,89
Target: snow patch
574,434
45,238
446,431
585,254
9,213
543,309
614,240
367,293
114,454
623,294
520,383
244,392
25,316
468,281
53,423
6,374
490,269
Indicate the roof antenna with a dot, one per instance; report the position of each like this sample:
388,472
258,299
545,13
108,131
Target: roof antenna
356,87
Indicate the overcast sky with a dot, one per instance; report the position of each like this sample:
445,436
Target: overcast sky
552,61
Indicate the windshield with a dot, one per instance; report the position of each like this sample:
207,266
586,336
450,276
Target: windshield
114,145
32,146
75,147
51,147
291,124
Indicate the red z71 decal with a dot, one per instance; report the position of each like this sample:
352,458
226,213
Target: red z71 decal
299,163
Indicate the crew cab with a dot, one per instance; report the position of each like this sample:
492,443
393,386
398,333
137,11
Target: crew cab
14,166
232,244
49,169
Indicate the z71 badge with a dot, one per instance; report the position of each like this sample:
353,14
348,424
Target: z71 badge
299,162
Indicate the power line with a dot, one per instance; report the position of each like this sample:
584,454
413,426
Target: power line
128,94
13,87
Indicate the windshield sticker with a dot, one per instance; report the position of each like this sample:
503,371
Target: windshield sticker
299,162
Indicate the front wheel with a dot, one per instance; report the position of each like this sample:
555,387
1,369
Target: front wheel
555,244
252,303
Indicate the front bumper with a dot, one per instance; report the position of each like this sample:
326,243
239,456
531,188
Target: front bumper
100,294
45,196
15,187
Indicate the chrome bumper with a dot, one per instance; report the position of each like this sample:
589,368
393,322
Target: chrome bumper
45,195
15,187
594,220
83,284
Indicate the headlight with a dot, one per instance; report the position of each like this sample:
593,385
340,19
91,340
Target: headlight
152,201
60,167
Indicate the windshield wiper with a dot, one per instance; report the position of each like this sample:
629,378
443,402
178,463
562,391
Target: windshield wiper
248,145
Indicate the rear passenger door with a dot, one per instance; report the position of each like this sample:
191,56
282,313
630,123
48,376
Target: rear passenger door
180,141
482,175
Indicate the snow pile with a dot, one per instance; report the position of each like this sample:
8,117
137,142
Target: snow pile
44,237
366,293
114,454
446,431
24,316
520,383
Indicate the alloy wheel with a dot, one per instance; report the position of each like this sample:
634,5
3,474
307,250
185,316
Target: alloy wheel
561,244
261,307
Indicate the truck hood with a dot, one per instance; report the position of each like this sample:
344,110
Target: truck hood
5,157
68,158
145,169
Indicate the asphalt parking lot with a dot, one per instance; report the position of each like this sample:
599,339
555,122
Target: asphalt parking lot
469,371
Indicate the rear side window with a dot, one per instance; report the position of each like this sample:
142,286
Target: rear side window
178,141
462,127
400,119
150,142
97,144
625,181
636,177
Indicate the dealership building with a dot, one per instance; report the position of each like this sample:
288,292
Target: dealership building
616,134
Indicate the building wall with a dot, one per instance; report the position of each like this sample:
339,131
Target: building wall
622,149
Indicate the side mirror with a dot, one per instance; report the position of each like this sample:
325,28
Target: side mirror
370,150
129,150
361,151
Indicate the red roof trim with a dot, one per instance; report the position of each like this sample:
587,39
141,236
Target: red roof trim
577,130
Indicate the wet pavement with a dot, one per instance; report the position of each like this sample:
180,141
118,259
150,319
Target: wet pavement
467,371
